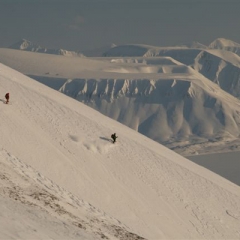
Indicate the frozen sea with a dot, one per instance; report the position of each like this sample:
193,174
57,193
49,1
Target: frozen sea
226,164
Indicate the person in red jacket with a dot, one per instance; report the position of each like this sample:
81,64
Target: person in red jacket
7,98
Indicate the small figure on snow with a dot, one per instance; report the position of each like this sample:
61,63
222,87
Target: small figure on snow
7,98
114,137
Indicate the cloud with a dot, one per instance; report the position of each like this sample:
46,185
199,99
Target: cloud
76,23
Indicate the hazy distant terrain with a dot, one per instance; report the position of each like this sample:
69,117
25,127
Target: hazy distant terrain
26,45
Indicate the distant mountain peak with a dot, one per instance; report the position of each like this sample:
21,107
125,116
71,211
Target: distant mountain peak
26,45
193,44
98,52
221,43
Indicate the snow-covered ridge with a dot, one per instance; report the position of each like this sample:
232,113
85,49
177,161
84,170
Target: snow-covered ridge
226,45
146,61
26,45
57,66
194,44
221,43
221,67
165,69
184,55
98,52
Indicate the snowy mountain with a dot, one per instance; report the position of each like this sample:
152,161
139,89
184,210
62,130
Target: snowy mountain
172,110
141,50
62,178
226,45
221,67
159,97
26,45
98,52
182,54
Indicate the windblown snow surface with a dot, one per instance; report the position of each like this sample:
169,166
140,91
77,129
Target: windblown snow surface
61,177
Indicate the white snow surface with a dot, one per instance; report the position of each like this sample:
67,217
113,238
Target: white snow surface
61,177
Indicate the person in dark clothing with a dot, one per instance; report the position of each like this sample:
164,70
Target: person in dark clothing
114,137
7,98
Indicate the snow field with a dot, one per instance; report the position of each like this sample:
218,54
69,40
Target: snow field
145,186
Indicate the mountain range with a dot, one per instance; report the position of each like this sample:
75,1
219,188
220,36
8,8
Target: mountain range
26,45
185,97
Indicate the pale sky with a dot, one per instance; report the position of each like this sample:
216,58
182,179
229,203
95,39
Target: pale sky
88,24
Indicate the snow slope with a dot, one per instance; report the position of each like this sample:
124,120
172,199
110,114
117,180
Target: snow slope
158,96
57,161
50,65
33,207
